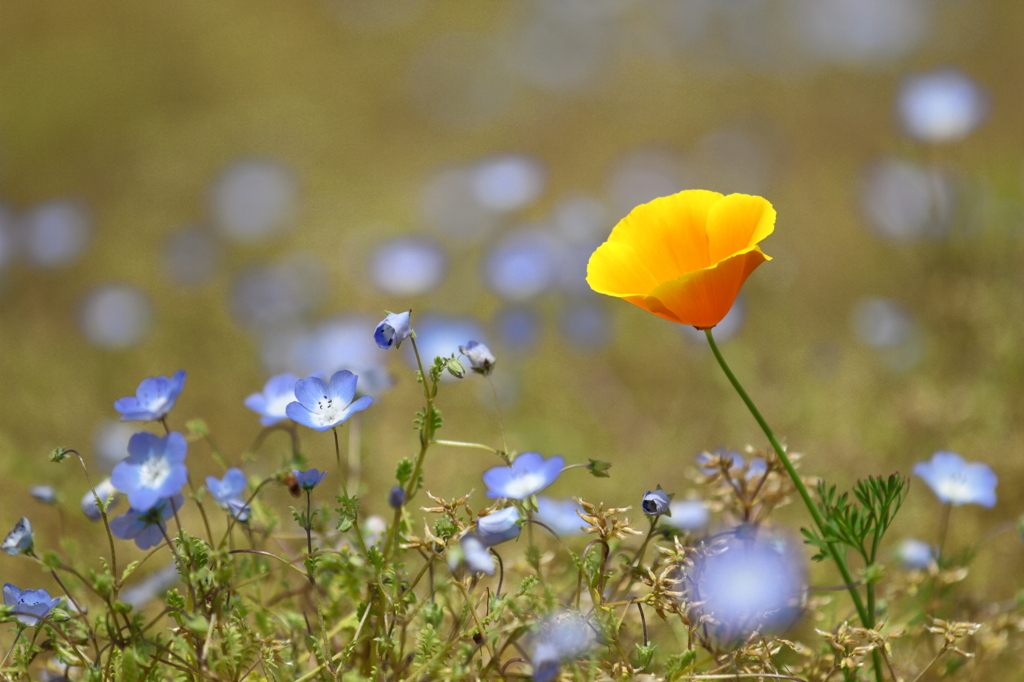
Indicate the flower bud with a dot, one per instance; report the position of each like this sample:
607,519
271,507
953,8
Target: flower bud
20,539
480,357
392,330
396,498
656,502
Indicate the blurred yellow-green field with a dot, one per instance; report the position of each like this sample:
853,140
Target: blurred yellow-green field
242,188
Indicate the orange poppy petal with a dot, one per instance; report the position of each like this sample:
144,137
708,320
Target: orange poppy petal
669,234
703,298
736,223
615,269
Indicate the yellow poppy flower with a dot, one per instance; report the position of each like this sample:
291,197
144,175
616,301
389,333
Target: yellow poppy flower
684,257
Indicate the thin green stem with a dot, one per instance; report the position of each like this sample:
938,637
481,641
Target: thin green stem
21,629
344,491
866,617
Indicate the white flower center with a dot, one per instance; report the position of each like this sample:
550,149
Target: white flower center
277,407
154,471
524,485
328,411
955,489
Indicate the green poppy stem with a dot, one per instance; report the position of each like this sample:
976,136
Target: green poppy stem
866,618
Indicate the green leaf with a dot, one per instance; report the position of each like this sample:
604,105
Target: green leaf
59,454
404,471
599,469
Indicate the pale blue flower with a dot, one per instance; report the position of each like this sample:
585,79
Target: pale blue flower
146,528
560,515
153,399
915,554
688,515
392,330
958,482
272,402
309,479
528,474
751,583
559,640
29,605
227,492
941,106
477,557
498,527
154,469
107,494
20,539
46,494
322,406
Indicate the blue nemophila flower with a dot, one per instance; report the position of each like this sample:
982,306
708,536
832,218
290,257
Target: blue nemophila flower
915,554
754,582
498,527
529,474
392,330
956,481
46,494
153,399
228,492
472,551
20,539
271,403
29,605
656,502
688,515
309,479
559,640
323,406
480,357
396,498
107,493
146,528
154,469
559,515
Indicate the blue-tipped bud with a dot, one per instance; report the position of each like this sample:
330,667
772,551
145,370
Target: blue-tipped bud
20,540
392,330
656,502
396,498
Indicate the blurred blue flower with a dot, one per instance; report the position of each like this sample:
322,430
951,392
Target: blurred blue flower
20,539
107,493
559,515
958,482
751,583
56,233
508,182
150,587
941,106
154,469
322,406
146,528
708,462
392,330
46,494
498,527
396,498
529,474
522,265
253,199
29,605
480,357
471,552
228,490
656,503
559,640
407,266
586,325
517,327
153,399
115,316
309,479
915,554
688,515
271,404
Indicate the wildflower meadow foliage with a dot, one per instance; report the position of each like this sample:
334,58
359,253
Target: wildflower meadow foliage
696,584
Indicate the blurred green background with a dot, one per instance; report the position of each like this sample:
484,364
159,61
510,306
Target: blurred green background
240,188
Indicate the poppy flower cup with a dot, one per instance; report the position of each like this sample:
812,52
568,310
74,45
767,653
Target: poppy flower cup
684,257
